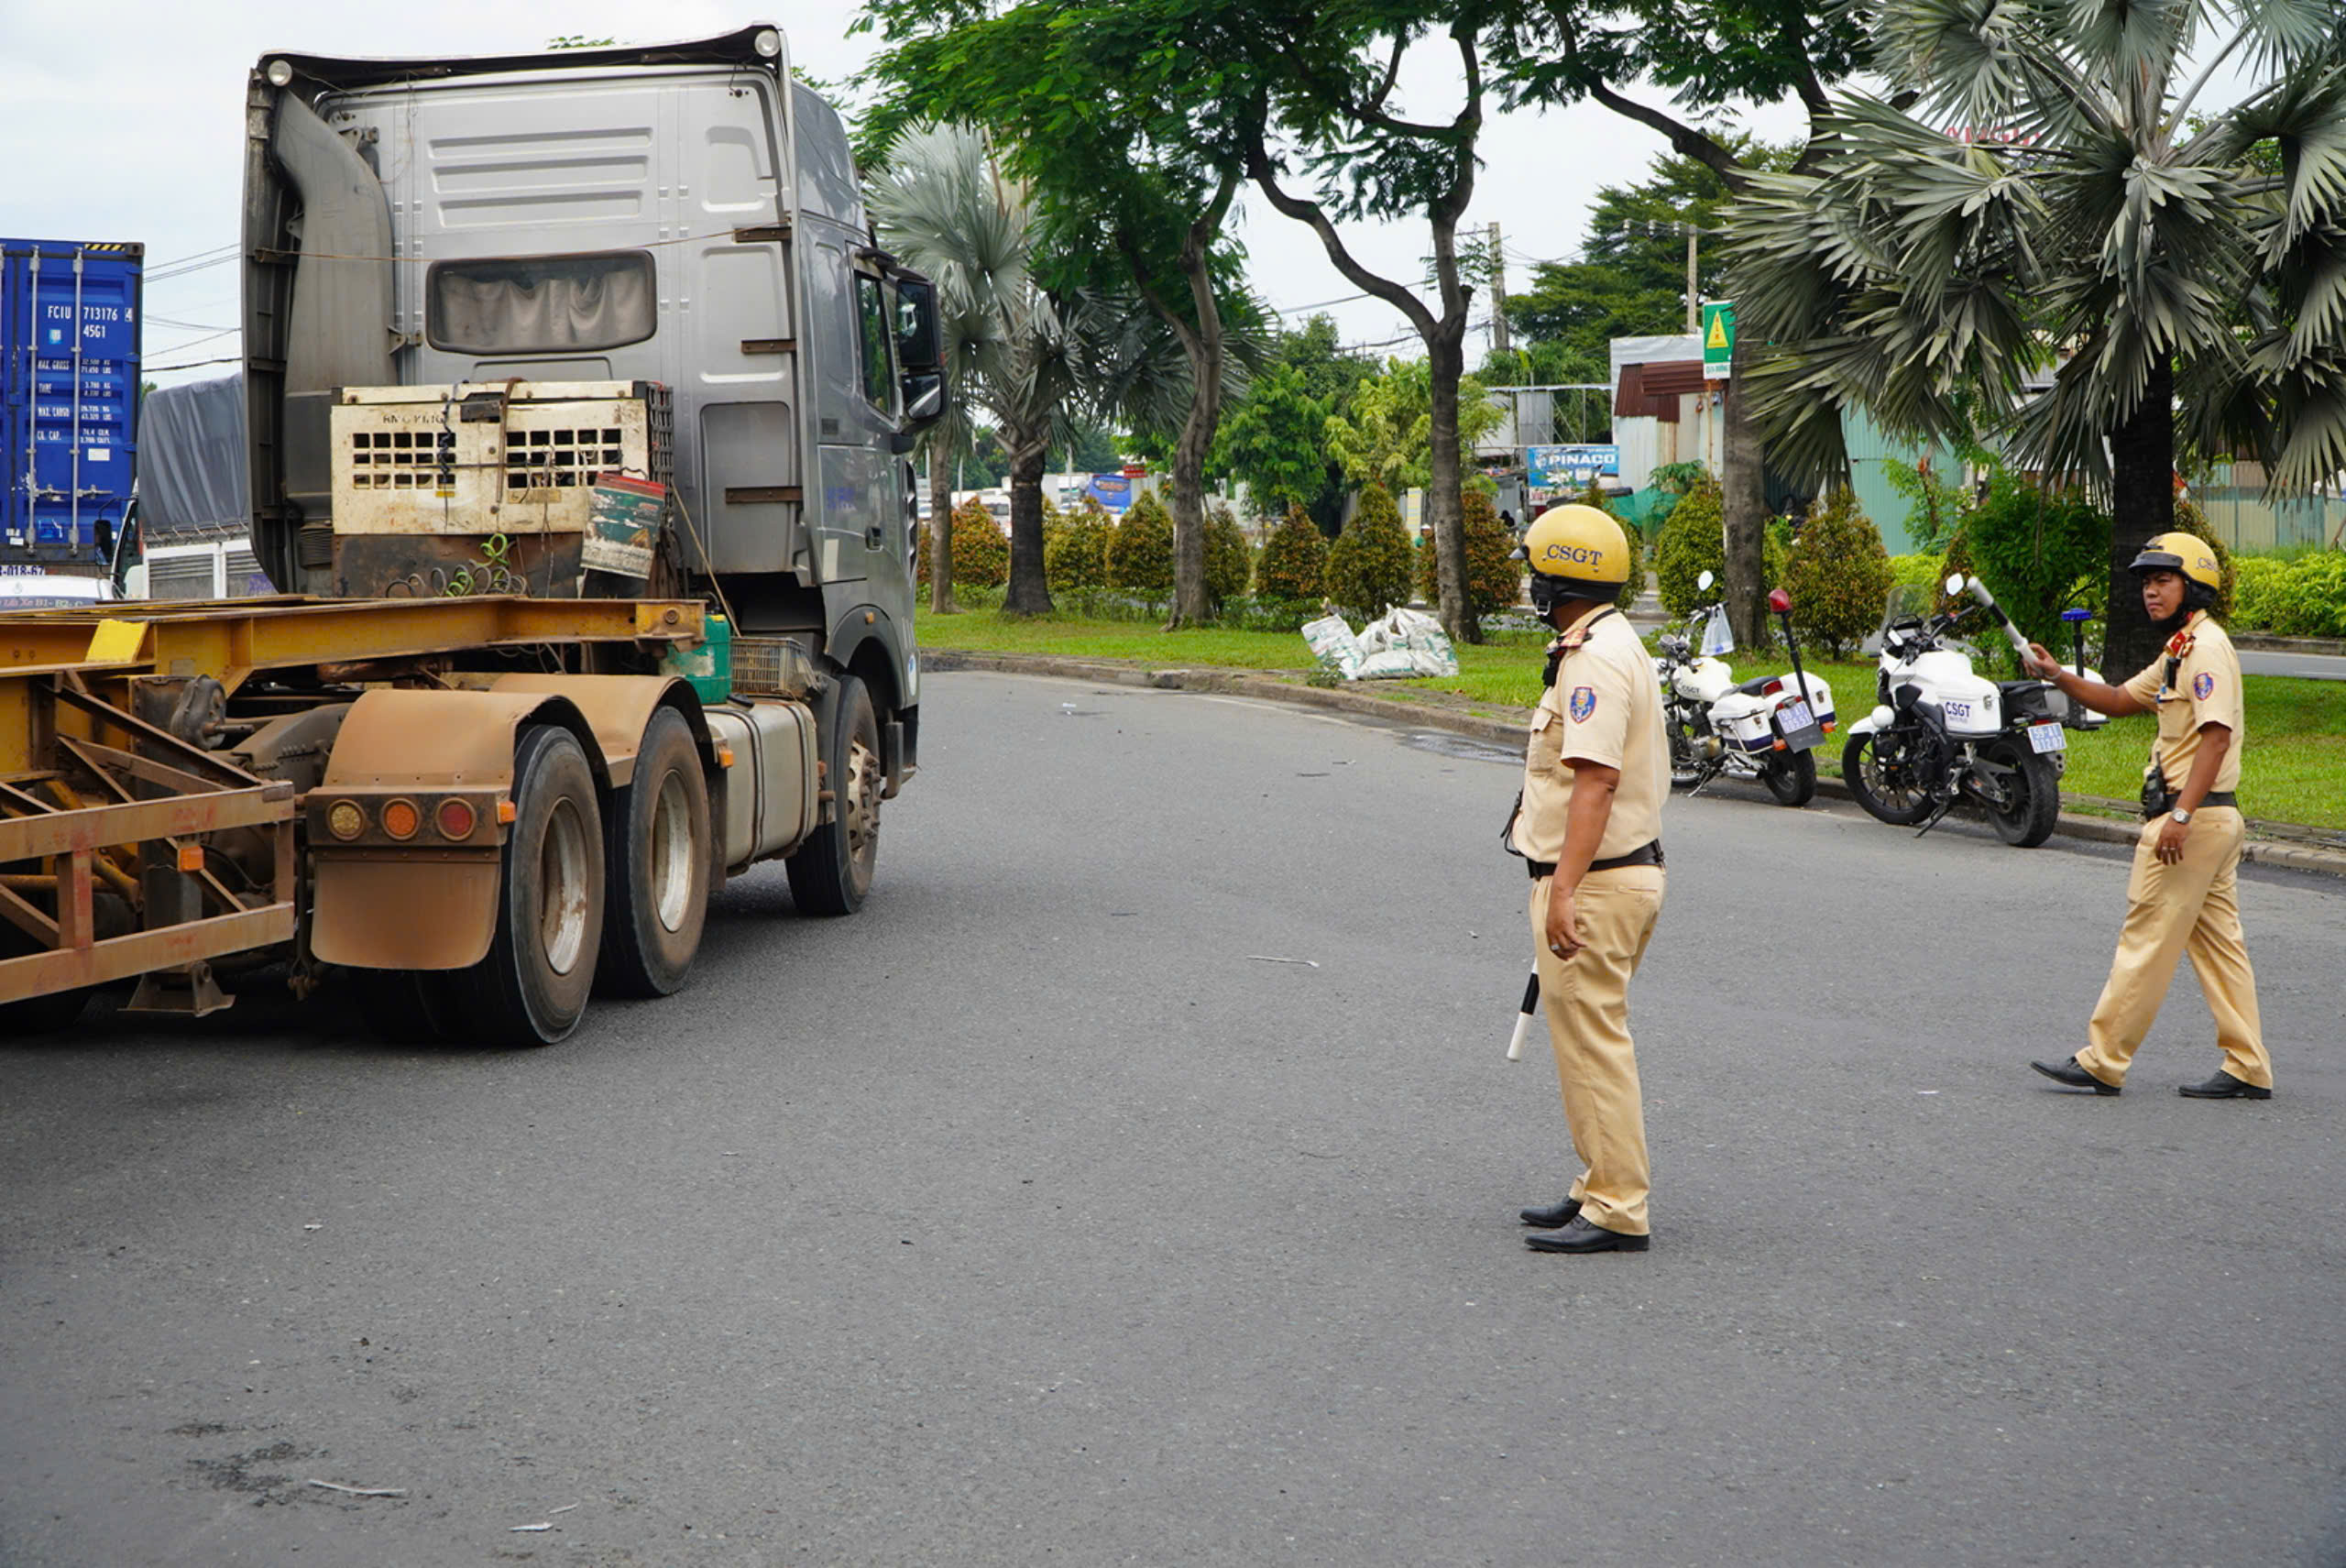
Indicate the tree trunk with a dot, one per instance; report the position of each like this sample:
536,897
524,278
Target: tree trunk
940,529
1030,591
2142,506
1446,362
1203,343
1744,506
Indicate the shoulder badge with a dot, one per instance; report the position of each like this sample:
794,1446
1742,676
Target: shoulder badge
2203,685
1583,703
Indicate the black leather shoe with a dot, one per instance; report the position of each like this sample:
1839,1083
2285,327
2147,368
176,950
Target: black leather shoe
2070,1073
2223,1086
1553,1216
1581,1236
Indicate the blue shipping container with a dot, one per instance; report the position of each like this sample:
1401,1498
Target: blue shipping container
68,395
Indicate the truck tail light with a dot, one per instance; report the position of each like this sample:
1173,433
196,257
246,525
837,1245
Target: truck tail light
456,820
346,820
400,819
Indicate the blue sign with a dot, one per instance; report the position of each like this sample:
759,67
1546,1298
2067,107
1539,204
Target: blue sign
1111,490
1557,468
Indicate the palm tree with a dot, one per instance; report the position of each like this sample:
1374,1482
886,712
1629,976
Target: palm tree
2080,216
944,205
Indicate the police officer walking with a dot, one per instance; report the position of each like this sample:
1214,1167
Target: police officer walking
2182,897
1589,822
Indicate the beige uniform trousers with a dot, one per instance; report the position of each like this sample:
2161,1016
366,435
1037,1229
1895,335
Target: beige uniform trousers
2190,907
1587,1002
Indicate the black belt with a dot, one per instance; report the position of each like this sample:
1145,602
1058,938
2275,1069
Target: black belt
2213,797
1648,854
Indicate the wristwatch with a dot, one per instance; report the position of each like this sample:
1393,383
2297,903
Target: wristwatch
2179,814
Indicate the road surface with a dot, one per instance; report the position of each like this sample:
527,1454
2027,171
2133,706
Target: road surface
1133,1181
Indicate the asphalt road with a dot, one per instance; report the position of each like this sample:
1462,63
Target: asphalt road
1036,1216
2305,666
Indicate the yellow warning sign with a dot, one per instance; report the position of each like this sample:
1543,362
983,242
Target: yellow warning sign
1718,340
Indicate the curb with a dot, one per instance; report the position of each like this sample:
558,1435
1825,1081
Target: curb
2264,643
1482,727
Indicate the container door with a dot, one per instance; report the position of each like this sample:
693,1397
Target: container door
74,387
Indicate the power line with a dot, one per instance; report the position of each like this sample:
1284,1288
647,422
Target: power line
194,364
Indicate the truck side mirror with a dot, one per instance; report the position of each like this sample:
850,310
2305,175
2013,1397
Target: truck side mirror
917,344
923,398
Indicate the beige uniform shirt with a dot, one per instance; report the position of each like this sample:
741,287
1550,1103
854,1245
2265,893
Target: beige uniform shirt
1605,706
2205,691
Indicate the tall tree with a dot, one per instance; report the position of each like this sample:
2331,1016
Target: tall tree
953,214
1328,88
1077,94
1926,275
1708,54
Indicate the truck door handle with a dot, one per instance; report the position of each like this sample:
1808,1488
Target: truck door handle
872,537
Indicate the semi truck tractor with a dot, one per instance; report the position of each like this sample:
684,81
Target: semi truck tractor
577,400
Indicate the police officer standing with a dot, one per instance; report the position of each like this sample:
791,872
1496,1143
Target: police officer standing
2182,897
1594,775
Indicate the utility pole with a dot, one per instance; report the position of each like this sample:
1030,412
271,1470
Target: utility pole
1694,289
1499,294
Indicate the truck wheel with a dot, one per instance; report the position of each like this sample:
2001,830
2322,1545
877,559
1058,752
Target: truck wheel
832,872
534,984
657,871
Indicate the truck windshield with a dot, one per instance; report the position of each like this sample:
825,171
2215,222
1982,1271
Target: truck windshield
543,304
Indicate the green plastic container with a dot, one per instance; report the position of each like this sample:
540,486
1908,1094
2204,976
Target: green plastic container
709,667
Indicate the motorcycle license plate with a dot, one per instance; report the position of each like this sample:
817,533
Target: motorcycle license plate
1795,715
2045,738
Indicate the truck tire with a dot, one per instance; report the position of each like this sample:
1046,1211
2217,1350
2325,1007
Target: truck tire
832,870
534,984
656,875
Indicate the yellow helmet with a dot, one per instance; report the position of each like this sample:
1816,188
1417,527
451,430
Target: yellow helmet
2182,553
1575,552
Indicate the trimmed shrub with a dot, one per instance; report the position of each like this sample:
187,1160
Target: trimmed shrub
2310,601
980,550
2189,519
1228,561
1075,553
1370,563
1837,574
1692,541
1494,581
1140,555
2259,584
1295,560
2039,551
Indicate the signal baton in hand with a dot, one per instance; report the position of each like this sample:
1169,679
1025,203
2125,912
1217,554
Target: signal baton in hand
1523,1023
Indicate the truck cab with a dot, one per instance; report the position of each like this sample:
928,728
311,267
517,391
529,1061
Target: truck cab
684,219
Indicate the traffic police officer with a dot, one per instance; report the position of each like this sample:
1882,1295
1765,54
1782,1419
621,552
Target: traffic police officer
1590,823
2182,897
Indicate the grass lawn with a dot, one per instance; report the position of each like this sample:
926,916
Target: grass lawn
2295,770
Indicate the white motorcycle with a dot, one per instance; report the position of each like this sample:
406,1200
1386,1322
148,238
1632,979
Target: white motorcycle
1942,733
1767,727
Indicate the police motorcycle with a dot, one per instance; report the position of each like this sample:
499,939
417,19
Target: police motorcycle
1941,733
1767,727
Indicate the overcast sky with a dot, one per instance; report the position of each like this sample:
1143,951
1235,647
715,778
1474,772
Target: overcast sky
123,122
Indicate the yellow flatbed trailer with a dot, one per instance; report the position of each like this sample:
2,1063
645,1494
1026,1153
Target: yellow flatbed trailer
476,792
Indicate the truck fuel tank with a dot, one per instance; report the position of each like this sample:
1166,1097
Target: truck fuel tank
770,792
